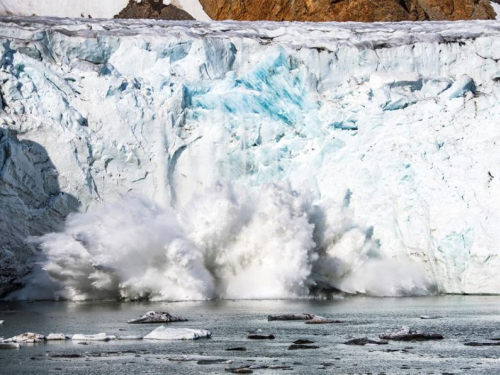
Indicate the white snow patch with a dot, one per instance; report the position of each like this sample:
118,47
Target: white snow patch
496,8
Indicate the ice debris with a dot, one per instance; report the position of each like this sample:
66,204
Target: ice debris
156,317
97,337
57,336
164,333
27,338
9,345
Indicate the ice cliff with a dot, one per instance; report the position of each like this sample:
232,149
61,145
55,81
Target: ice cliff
249,160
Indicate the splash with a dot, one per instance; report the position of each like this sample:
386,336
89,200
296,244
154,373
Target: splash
229,242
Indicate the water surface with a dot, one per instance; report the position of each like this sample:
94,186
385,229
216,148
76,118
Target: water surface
465,318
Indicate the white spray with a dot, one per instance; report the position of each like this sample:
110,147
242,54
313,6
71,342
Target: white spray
229,242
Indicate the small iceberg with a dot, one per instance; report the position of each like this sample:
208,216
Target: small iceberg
407,334
164,333
9,345
57,337
156,317
27,338
428,317
1,321
98,337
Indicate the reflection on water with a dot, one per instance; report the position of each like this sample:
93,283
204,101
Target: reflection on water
465,318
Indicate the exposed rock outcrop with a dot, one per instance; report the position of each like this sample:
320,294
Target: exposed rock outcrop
153,9
348,10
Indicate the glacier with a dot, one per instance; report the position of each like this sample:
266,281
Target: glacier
248,159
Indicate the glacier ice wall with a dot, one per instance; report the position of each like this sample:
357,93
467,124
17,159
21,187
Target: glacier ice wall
395,123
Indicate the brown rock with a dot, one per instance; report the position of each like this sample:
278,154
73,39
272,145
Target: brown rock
153,9
348,10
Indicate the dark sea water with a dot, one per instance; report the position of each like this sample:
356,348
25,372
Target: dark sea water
464,318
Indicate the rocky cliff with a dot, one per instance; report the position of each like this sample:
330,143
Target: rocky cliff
348,10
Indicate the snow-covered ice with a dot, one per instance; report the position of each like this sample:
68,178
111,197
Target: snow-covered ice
165,333
96,337
257,160
57,337
27,338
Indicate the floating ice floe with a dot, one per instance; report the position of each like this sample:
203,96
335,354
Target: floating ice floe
9,345
1,321
27,338
130,337
407,334
304,316
427,317
156,317
97,337
164,333
57,336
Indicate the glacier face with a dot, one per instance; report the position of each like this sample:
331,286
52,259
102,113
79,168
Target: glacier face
267,159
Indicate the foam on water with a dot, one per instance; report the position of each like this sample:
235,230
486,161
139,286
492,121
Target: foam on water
229,242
